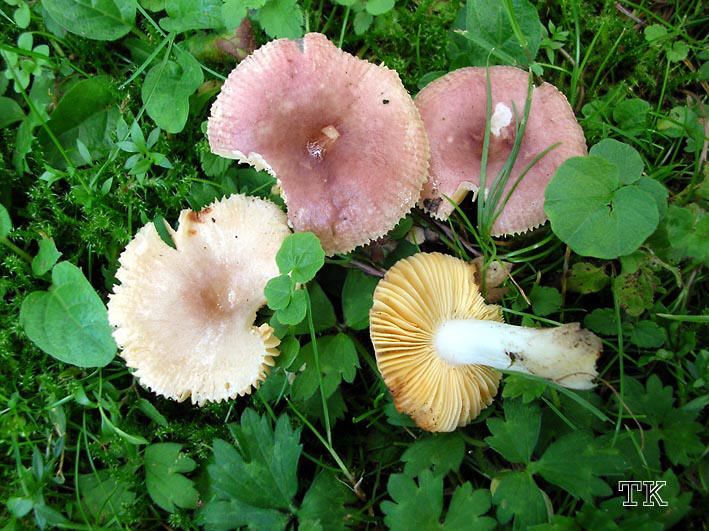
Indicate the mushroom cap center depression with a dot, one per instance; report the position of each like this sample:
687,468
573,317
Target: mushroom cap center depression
214,296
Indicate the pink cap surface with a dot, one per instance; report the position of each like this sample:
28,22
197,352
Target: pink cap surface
453,109
342,136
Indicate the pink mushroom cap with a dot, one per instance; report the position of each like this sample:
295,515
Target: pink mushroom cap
453,109
342,136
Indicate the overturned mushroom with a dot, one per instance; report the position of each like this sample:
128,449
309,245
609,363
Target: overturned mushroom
437,343
453,109
342,136
184,317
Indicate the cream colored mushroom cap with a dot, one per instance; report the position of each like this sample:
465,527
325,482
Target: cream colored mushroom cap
413,299
184,317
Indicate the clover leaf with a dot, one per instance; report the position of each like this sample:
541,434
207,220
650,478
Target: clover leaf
301,255
600,205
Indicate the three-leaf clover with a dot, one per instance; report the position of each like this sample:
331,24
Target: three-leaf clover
600,205
300,257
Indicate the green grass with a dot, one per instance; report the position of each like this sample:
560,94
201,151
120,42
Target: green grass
62,427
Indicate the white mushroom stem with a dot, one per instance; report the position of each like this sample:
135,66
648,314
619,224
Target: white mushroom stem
565,354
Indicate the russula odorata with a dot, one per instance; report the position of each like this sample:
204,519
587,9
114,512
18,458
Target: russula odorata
453,109
184,317
438,344
342,136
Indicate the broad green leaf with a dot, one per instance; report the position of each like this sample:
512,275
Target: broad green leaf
515,437
648,334
594,213
324,503
101,20
631,116
362,21
295,310
658,191
46,257
278,292
517,385
69,322
338,361
185,15
678,52
419,506
19,507
585,278
10,112
574,462
301,255
636,291
517,495
86,113
5,222
545,300
233,514
489,30
379,7
688,231
164,479
682,438
104,495
441,452
652,404
289,348
167,88
655,32
357,298
323,313
253,486
465,510
234,11
602,321
626,158
282,19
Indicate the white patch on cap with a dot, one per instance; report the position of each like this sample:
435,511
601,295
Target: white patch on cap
501,118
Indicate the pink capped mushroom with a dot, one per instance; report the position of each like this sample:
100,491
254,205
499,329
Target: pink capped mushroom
453,109
341,135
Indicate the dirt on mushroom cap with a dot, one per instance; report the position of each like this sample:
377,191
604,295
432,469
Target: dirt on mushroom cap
342,136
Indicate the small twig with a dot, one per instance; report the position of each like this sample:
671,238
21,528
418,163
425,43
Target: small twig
629,14
367,268
453,237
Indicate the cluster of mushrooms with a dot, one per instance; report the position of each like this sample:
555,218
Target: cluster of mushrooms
352,153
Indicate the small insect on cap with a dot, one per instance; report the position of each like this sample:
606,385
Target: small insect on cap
413,300
453,109
184,317
342,136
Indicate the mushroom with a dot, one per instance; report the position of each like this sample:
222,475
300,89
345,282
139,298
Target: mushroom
438,344
184,316
453,109
341,135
